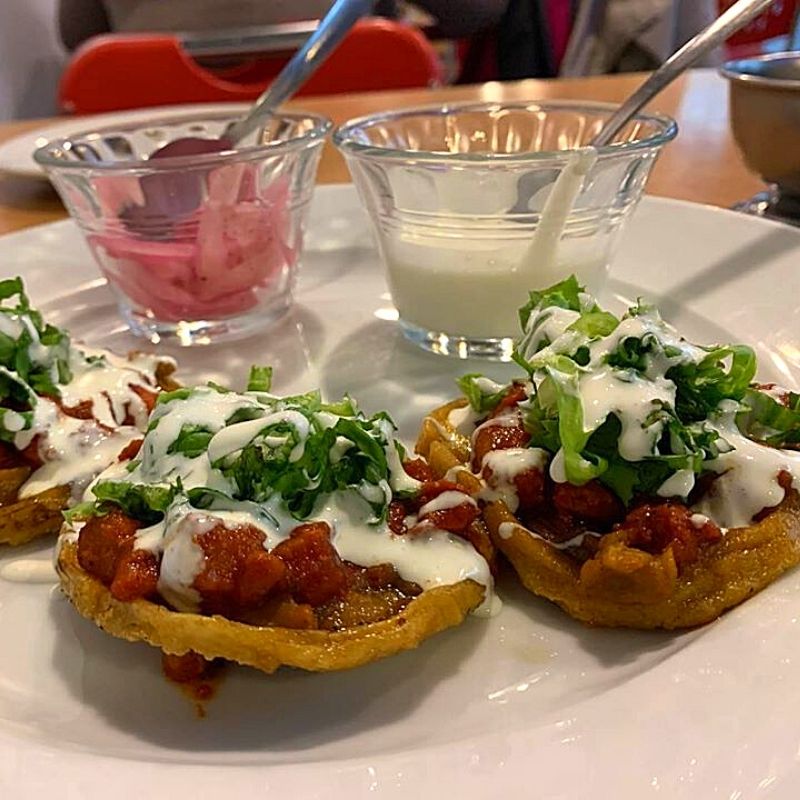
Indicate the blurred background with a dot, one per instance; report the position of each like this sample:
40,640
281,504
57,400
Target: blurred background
85,56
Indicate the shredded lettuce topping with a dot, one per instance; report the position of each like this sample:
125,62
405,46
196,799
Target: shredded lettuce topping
34,359
208,446
626,400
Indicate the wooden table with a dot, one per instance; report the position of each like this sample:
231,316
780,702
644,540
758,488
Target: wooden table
702,164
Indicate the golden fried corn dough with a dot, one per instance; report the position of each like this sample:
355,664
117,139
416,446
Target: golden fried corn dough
265,648
623,586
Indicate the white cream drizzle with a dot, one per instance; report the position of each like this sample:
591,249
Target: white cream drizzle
446,500
507,529
233,438
505,466
748,471
509,419
74,451
631,398
748,475
13,421
429,558
680,484
28,570
549,328
558,472
462,420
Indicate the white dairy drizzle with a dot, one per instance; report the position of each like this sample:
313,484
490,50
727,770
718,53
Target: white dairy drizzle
604,390
13,421
507,529
28,570
233,438
558,470
505,466
74,451
399,479
107,383
510,418
631,398
678,484
431,558
549,328
748,471
541,259
11,326
205,408
446,500
487,385
637,327
462,420
748,475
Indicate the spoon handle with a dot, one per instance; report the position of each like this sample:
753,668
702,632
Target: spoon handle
331,30
737,16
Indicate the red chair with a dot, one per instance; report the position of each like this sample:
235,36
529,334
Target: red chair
775,22
122,71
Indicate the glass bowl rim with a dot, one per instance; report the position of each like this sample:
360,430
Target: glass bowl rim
342,135
734,71
316,134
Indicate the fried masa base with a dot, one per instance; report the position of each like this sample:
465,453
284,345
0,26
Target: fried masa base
265,648
22,521
622,586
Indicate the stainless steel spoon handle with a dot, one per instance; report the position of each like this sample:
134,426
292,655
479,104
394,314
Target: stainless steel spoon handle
737,16
335,24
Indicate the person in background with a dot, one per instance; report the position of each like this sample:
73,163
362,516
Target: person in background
534,38
639,35
80,19
510,39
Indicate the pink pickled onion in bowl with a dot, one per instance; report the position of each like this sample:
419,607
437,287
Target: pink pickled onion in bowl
218,259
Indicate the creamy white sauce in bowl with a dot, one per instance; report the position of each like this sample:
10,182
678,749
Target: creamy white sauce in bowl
447,275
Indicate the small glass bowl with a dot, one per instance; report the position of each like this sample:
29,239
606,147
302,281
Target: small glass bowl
455,194
197,248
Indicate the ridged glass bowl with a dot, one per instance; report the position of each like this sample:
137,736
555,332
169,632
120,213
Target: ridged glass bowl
197,248
456,195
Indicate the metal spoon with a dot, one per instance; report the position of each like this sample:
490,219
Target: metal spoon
175,195
736,17
303,64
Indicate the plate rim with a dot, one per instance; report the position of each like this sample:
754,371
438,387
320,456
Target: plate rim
394,773
30,169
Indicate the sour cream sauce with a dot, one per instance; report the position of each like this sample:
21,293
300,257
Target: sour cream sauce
748,475
748,471
74,451
466,281
432,558
604,390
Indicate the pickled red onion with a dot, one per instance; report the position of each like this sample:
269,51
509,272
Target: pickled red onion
217,261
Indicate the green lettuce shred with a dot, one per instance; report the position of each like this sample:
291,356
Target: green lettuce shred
703,379
345,454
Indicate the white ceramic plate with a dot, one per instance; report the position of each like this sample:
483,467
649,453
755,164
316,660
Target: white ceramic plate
16,155
526,705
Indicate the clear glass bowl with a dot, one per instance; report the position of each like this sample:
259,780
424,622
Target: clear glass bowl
456,193
197,248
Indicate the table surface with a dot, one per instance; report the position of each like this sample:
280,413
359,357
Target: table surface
702,164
